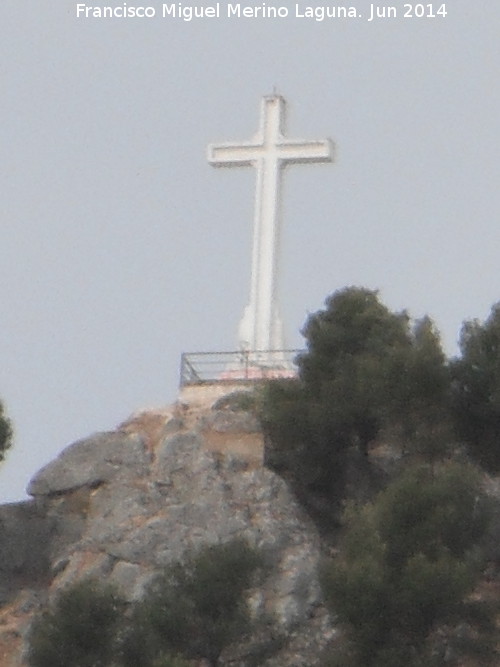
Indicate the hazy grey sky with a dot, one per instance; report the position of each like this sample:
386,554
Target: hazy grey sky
122,248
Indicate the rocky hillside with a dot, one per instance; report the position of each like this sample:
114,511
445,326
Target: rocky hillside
121,505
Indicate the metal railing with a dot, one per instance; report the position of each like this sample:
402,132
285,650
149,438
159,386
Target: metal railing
239,366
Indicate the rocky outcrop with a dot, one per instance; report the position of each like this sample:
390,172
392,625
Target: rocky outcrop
122,505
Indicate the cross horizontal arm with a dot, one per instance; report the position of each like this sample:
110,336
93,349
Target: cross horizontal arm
305,151
234,155
245,154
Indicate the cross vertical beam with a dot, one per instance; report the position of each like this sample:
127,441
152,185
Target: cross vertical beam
269,152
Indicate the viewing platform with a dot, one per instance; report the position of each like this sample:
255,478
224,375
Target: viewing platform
208,367
210,375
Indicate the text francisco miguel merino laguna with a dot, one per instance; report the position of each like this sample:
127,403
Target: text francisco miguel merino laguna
217,10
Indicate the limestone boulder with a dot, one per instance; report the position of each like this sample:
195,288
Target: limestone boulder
91,462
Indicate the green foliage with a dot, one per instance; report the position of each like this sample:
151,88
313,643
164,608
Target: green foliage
5,433
354,324
356,351
419,409
166,660
238,401
365,372
408,565
194,608
79,630
476,386
424,510
298,440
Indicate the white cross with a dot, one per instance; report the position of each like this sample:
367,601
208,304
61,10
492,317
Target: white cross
269,152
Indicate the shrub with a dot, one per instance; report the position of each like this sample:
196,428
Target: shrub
408,565
238,401
365,372
78,630
195,608
170,661
5,433
476,389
